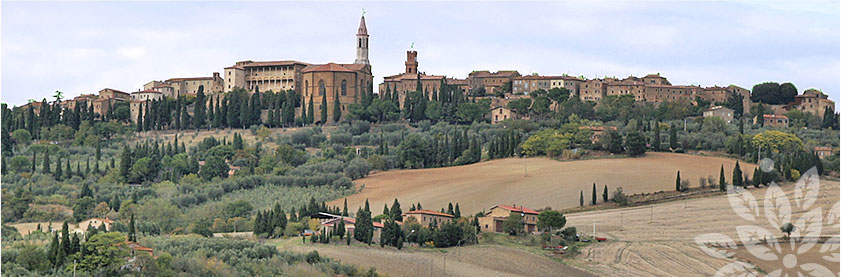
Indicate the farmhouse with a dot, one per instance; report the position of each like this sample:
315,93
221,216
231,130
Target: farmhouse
492,221
772,120
329,224
824,152
427,217
501,113
722,112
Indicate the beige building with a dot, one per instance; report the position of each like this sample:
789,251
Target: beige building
191,85
813,101
501,113
594,90
722,112
427,217
779,121
267,75
490,82
408,81
143,95
492,221
108,93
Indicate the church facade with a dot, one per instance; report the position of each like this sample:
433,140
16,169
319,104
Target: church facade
320,82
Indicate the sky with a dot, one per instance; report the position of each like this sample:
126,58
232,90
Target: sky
82,47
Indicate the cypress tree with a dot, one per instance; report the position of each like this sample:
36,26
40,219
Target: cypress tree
337,108
604,195
737,175
244,113
310,112
677,182
256,108
45,168
132,235
58,171
65,239
722,184
594,194
656,142
34,161
344,210
581,200
457,211
673,137
323,109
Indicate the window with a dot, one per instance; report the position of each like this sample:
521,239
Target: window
344,88
321,88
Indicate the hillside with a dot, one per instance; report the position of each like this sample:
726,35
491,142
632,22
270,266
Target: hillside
549,183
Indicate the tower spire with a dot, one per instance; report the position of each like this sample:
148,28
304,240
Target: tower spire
362,42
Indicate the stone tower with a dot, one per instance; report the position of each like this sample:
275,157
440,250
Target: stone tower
412,62
362,44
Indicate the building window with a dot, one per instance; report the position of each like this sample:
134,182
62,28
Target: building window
321,88
344,88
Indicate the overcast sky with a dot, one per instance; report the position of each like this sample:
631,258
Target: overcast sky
81,47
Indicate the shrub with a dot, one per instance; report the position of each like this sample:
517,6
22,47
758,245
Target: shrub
619,197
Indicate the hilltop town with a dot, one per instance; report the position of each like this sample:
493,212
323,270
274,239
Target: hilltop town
280,167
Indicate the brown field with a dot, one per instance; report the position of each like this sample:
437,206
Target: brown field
26,228
813,255
475,260
658,240
549,183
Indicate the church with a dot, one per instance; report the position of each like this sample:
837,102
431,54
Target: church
320,82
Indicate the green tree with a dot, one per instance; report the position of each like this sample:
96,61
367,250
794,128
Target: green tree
677,182
513,224
655,142
635,144
395,212
737,175
550,220
323,109
214,166
722,184
310,112
132,235
104,253
673,137
581,199
604,194
337,108
593,200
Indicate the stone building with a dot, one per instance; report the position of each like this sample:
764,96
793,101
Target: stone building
144,95
490,82
266,75
492,221
408,80
501,113
722,112
427,217
813,101
779,121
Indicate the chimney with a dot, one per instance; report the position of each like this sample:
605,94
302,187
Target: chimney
215,75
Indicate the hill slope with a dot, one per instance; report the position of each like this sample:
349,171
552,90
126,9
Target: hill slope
548,183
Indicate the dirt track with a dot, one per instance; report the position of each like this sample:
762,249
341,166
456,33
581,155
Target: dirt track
548,183
475,260
658,240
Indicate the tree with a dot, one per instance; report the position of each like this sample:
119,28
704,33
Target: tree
344,210
199,108
673,137
722,184
105,252
581,200
604,195
214,166
132,235
337,108
593,201
787,228
310,112
773,93
737,175
550,220
611,141
323,109
677,182
395,212
635,144
513,224
655,142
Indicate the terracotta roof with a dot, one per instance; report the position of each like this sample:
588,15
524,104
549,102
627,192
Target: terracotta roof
147,91
162,86
501,73
412,76
533,77
190,79
114,90
363,30
823,149
516,209
272,63
654,75
774,116
103,220
330,67
353,221
428,212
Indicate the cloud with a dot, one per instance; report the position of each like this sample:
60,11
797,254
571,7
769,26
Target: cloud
132,52
124,45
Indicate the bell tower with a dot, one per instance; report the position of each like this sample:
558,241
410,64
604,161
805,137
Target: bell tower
362,43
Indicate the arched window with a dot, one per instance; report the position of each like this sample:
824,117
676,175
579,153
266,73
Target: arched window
321,88
344,88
